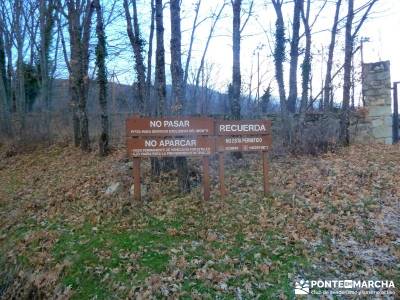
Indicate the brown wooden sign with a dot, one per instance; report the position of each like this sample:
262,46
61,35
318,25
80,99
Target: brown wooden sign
171,146
196,136
169,126
244,143
243,127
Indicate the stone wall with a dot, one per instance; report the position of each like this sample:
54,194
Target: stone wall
377,126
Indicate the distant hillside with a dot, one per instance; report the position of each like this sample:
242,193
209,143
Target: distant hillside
122,99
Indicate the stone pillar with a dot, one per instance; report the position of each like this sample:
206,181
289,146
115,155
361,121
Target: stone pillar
378,100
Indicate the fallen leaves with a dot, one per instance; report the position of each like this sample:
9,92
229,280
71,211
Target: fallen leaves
339,211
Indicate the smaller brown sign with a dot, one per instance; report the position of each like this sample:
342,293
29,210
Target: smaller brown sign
170,146
244,143
243,127
169,126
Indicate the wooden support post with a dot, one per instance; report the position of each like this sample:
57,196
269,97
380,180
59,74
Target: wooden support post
206,178
136,179
265,171
221,174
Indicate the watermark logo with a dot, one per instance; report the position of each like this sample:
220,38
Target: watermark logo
302,287
344,287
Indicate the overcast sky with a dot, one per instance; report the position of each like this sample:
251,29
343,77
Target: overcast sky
381,29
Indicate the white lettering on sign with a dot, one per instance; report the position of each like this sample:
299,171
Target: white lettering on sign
170,143
240,140
155,123
177,143
170,123
177,123
150,143
242,128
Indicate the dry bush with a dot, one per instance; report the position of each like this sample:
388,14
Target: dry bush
59,131
317,133
317,136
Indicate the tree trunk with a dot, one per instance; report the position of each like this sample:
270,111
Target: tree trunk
19,34
306,66
4,107
149,62
279,53
79,25
10,90
176,54
329,63
101,54
177,85
46,23
160,81
348,51
294,57
5,120
137,46
236,77
279,57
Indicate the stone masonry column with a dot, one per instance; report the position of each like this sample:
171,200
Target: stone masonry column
378,100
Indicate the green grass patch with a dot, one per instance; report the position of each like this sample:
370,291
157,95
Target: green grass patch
99,257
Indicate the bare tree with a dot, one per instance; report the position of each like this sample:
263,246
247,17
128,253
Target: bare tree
279,52
329,63
306,65
348,48
189,55
160,80
79,16
176,54
149,58
294,56
177,84
236,77
32,28
19,34
203,56
101,54
47,9
4,99
7,27
137,44
348,54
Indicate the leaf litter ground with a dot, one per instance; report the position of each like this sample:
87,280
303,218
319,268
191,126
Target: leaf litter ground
336,216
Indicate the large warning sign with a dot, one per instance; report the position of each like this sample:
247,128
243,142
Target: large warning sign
196,136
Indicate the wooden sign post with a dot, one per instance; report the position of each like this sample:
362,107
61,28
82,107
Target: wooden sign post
243,136
196,136
136,179
206,178
265,172
170,137
221,164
